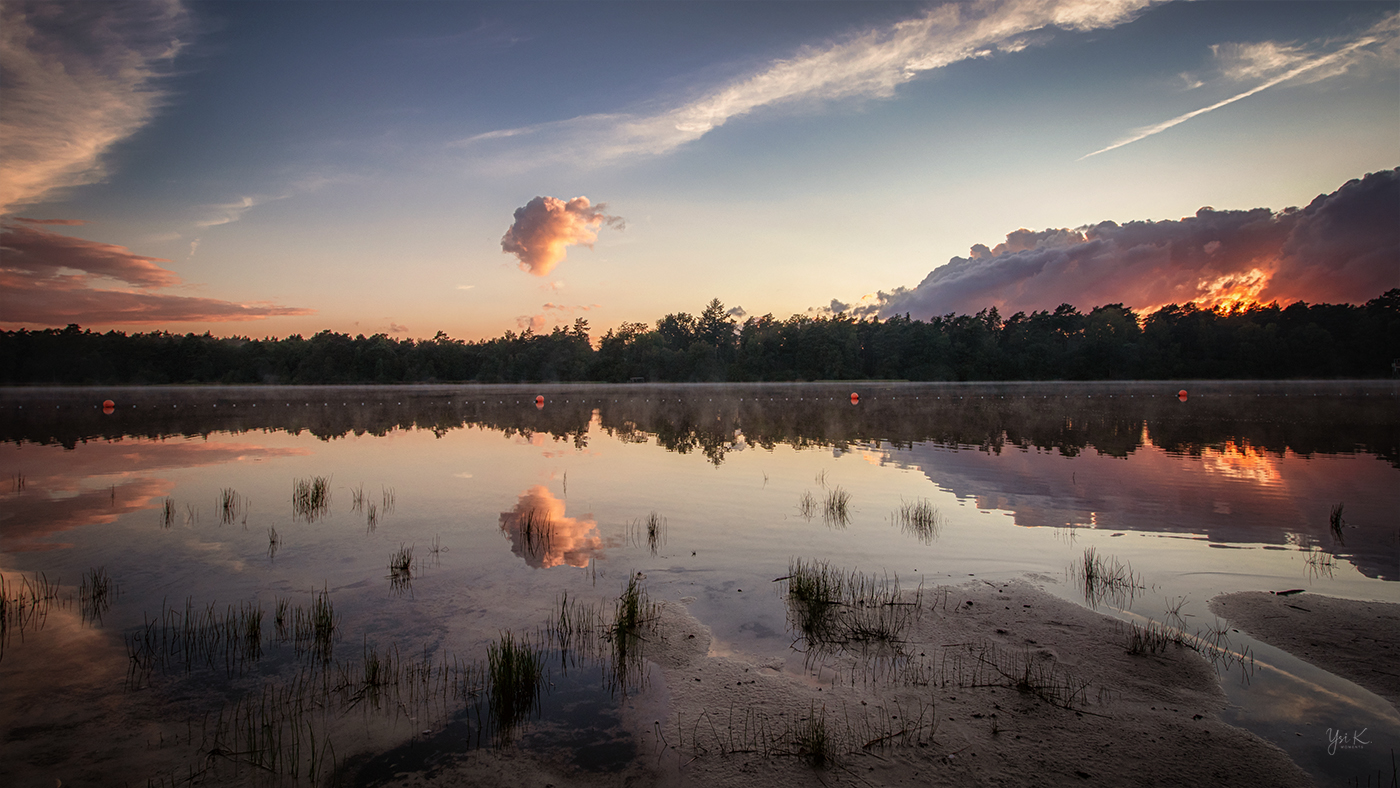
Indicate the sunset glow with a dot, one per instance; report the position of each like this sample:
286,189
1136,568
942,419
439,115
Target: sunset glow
269,169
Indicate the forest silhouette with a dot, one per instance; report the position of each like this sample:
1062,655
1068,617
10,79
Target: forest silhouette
1110,342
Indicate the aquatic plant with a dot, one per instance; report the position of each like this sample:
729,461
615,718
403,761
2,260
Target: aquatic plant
167,513
96,592
229,504
835,509
807,505
1152,638
830,607
24,605
514,670
311,498
652,531
1105,578
920,519
1336,523
401,569
536,530
811,737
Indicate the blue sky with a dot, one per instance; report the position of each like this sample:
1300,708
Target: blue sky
354,166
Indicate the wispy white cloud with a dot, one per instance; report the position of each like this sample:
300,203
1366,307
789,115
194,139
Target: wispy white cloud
871,64
227,213
79,77
1279,63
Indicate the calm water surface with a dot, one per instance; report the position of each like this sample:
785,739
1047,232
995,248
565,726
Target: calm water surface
1228,490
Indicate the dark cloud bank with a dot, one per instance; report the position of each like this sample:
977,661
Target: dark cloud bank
1342,247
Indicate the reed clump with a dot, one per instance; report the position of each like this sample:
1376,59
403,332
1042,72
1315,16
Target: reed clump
807,505
831,607
651,532
836,507
230,504
96,593
536,531
24,605
514,670
311,498
167,513
401,569
1105,578
1336,523
920,519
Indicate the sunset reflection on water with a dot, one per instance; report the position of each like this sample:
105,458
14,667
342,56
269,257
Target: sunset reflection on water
1228,491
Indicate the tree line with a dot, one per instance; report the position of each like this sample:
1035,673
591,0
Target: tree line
1110,342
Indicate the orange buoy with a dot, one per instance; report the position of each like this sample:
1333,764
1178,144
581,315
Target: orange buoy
539,399
1181,395
106,403
855,398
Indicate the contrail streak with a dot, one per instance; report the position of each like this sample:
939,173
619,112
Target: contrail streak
1148,131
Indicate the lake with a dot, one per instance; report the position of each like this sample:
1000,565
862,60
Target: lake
264,585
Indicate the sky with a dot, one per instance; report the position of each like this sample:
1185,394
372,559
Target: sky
263,169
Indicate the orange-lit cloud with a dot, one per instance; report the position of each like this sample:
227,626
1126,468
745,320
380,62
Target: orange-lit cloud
1340,248
49,279
545,226
541,534
79,77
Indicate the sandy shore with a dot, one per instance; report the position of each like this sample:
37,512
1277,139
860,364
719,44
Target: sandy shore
1359,641
1011,686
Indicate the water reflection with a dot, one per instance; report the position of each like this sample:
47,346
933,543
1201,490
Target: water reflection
63,490
1227,495
540,533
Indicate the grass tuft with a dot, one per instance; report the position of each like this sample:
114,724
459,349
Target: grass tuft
836,507
96,593
230,502
1337,524
921,519
1105,579
401,569
514,669
311,498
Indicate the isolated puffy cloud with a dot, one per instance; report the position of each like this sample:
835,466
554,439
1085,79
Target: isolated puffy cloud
78,77
546,225
47,279
870,64
1342,247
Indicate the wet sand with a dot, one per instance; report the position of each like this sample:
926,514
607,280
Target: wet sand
1359,641
1133,720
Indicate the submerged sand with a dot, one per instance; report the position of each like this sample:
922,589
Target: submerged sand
1090,714
1359,641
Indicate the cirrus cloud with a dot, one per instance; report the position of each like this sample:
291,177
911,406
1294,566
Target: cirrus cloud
871,64
79,77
